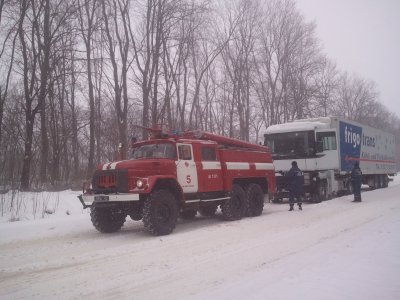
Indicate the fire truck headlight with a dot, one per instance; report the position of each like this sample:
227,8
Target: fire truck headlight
139,183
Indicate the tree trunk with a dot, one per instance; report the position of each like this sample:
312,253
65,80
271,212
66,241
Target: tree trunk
44,73
26,167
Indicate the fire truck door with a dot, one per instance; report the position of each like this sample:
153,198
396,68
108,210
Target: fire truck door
186,169
211,178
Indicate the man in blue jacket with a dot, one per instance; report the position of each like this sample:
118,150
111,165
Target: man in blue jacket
295,183
356,181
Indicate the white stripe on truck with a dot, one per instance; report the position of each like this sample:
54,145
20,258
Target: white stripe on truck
113,165
211,165
237,166
264,166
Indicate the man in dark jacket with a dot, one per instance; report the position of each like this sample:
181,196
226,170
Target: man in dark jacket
356,180
295,183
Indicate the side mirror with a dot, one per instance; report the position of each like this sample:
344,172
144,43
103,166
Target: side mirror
320,147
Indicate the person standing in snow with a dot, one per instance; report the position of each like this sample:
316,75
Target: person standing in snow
295,183
356,180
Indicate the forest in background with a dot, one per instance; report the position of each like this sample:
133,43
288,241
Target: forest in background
76,76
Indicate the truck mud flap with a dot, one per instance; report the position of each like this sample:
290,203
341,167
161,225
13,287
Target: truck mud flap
83,202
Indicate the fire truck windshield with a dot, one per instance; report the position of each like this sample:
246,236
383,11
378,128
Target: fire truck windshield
157,150
291,145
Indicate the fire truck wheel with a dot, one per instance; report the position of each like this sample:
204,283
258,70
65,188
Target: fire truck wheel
235,207
136,215
254,200
107,219
136,212
188,214
208,211
160,213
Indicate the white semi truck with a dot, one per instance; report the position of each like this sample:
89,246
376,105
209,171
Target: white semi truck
326,149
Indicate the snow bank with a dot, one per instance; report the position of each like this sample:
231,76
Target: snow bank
27,206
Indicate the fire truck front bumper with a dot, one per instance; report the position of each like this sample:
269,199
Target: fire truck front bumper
88,200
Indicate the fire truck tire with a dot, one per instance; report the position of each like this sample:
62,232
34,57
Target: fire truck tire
188,214
254,200
160,212
136,212
106,219
136,215
235,207
208,211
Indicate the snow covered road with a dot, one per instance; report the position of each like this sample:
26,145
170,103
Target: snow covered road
332,250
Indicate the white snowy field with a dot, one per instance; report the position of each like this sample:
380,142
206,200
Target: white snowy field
333,250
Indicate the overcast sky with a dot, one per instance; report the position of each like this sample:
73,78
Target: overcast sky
362,37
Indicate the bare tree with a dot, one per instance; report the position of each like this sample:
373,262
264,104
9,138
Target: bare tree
44,38
119,10
238,60
190,20
326,81
273,58
303,67
204,51
38,29
147,53
88,18
70,99
10,35
29,79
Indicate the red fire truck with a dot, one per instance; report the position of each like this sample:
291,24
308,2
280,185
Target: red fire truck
173,175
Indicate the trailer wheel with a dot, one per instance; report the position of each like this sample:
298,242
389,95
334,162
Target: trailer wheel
349,188
107,219
320,193
188,214
160,213
385,181
208,211
254,200
235,207
380,181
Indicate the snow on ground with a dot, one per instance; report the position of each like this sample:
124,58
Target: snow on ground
333,250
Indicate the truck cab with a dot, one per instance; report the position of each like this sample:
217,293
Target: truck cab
314,146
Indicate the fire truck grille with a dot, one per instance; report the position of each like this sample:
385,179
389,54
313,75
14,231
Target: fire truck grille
107,181
110,181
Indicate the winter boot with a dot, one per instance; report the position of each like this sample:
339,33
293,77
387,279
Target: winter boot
291,207
300,208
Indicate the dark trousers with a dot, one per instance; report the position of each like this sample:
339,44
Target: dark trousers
294,198
357,192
